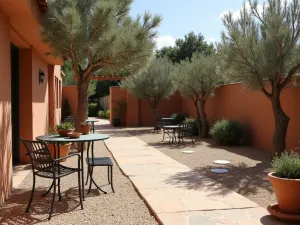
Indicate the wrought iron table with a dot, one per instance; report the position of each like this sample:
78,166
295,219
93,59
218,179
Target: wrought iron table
173,128
92,121
56,140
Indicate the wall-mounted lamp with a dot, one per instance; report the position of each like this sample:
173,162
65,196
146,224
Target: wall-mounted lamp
41,76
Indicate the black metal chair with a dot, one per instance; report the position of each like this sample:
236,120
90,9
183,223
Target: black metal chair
185,130
43,165
98,161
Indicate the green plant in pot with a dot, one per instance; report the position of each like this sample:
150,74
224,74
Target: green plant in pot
285,179
64,128
119,110
64,147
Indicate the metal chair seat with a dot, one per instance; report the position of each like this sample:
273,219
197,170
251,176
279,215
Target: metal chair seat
99,161
59,171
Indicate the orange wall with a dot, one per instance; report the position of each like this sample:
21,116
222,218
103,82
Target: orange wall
70,93
251,108
5,110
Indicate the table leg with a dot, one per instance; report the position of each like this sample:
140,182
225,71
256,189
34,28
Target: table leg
82,170
93,127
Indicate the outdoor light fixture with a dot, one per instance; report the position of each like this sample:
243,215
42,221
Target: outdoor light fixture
41,76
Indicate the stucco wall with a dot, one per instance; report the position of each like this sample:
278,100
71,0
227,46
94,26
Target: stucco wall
5,110
70,93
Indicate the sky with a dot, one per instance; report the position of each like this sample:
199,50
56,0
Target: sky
183,16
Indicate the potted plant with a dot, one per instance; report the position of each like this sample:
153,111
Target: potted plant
285,179
119,111
85,128
64,147
64,128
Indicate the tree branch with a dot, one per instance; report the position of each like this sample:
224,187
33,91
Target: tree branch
289,76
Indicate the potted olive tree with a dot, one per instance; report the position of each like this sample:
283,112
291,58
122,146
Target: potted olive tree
119,112
285,179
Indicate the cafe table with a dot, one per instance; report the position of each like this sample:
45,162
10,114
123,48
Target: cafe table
56,140
92,121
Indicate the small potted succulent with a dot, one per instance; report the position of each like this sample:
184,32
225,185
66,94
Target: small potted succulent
64,128
285,179
64,147
85,128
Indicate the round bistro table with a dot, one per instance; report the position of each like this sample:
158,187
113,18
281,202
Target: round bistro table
92,121
56,140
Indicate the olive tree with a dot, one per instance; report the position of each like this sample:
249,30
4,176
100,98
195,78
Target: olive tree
197,79
261,49
154,83
99,37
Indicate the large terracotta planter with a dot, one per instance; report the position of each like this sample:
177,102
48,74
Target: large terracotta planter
64,150
287,194
85,129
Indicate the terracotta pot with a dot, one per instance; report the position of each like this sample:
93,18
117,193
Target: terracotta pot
85,129
64,150
287,194
63,133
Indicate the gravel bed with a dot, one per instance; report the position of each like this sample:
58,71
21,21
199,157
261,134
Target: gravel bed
247,171
121,208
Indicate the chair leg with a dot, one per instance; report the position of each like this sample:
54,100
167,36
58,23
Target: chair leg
32,193
111,179
88,175
53,199
192,139
58,187
79,187
91,174
108,175
163,136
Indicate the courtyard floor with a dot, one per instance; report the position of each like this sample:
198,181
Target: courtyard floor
155,181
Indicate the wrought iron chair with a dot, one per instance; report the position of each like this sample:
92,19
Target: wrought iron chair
98,161
43,165
185,130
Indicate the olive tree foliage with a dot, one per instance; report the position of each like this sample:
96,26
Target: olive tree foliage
99,37
197,79
154,83
261,49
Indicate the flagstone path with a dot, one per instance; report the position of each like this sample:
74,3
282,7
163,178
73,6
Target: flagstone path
176,194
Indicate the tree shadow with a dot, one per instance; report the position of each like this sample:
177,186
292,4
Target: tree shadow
13,210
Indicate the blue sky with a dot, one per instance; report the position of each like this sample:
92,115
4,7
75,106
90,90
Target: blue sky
183,16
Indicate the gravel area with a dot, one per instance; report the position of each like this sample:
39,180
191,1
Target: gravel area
247,171
123,207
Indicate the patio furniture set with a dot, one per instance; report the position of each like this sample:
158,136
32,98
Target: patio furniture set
175,132
46,166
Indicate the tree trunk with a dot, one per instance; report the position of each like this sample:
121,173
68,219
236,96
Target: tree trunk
204,131
281,124
82,108
198,116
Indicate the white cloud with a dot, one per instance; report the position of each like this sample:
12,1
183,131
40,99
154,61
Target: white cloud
236,14
165,41
210,40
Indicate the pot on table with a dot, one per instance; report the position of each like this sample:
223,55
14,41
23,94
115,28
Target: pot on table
85,129
64,132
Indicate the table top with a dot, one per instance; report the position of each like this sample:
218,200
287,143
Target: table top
172,126
167,118
82,138
91,120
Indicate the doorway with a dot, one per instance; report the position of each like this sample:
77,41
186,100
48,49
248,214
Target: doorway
14,53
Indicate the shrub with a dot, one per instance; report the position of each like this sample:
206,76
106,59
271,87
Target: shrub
64,126
93,109
101,114
178,118
107,114
287,165
226,132
194,124
66,109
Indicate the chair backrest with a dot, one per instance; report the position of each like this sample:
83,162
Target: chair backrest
39,154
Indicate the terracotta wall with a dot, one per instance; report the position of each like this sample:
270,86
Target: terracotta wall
5,110
70,93
251,108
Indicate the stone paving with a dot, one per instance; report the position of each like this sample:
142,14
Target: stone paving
176,194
